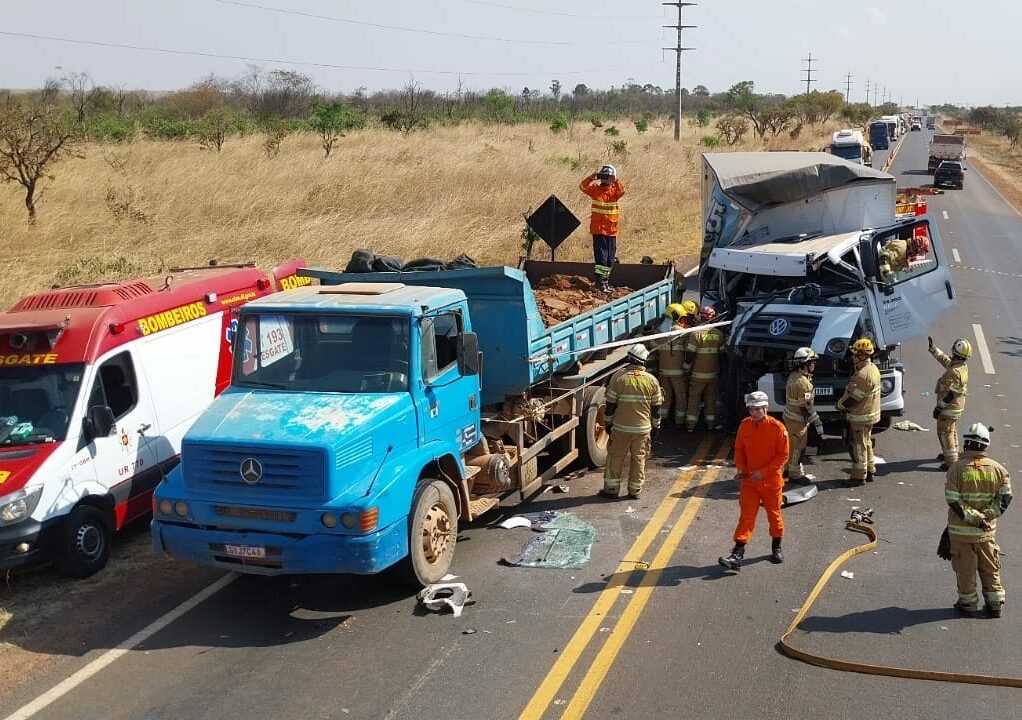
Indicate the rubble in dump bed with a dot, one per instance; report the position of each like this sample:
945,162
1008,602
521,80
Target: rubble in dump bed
561,297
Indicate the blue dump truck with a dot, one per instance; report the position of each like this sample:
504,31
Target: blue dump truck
370,414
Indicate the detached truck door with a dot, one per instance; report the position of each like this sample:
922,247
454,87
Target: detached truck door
915,284
449,402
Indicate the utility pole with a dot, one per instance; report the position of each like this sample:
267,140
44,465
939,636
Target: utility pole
679,49
809,71
867,91
848,87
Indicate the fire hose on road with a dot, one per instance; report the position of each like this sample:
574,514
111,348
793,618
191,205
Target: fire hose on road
861,522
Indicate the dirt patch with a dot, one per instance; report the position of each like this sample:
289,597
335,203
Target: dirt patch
561,297
46,619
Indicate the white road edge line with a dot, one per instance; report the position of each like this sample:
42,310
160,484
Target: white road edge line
955,255
984,351
66,686
945,214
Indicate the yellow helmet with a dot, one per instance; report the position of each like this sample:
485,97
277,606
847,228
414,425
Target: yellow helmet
690,307
962,348
675,311
863,346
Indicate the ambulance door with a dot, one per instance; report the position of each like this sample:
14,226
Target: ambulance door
123,460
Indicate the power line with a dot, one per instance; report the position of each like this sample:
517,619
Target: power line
809,71
437,33
559,14
333,66
848,87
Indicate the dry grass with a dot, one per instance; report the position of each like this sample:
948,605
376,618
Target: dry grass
143,207
1000,164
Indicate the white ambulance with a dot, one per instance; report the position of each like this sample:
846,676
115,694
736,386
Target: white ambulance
98,384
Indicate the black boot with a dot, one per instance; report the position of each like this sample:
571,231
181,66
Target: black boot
776,555
734,560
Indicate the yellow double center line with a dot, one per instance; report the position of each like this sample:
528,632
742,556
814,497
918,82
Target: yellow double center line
598,670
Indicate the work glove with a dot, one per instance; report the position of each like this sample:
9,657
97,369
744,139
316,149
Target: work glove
944,546
936,413
929,342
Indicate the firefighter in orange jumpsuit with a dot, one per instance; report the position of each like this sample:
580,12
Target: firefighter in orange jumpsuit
605,190
761,450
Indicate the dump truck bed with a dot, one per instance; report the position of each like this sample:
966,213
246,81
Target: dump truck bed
519,351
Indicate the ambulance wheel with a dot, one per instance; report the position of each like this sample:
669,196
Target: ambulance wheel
84,542
591,436
432,532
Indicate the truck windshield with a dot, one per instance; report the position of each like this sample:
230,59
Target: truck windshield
322,353
848,152
36,402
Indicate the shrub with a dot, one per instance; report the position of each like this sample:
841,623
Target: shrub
703,117
109,128
619,149
641,125
559,122
710,141
612,131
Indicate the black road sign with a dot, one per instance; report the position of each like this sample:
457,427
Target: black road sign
553,222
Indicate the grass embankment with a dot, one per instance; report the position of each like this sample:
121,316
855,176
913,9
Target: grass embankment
1000,164
142,207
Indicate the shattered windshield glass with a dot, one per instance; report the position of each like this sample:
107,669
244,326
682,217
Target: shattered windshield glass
36,402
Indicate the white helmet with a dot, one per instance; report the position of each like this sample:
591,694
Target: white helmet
638,353
804,355
757,399
979,434
608,170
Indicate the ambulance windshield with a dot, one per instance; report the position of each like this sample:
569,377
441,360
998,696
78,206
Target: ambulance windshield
322,353
36,402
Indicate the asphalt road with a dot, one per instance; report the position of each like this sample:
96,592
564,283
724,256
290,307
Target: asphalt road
651,626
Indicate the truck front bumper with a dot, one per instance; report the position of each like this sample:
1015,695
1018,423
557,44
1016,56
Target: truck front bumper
272,554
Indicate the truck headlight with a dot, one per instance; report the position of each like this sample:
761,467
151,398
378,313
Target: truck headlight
19,505
166,507
837,346
886,386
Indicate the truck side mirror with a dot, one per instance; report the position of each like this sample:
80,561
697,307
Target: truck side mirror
868,257
468,354
99,422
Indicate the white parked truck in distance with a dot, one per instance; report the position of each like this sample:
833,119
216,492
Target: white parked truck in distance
945,147
852,146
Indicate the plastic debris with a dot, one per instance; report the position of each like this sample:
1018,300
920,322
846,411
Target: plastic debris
515,522
448,578
629,509
440,596
847,574
909,426
627,591
468,631
800,494
560,488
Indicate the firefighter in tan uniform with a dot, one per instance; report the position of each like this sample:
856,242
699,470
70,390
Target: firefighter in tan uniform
800,411
861,406
670,364
702,358
952,387
978,491
632,416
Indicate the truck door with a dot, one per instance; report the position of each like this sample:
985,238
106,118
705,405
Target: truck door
123,461
914,283
449,404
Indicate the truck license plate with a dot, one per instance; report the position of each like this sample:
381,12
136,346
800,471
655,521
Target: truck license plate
825,390
245,551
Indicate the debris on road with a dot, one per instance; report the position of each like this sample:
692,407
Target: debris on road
796,495
440,596
847,574
565,542
515,522
561,297
909,426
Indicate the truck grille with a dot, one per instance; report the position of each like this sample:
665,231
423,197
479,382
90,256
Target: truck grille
777,330
250,513
287,475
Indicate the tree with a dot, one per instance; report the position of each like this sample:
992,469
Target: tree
776,119
581,90
32,140
701,91
81,88
330,121
857,114
555,89
732,128
216,126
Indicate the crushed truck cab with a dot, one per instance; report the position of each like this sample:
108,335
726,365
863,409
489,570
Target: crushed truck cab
368,415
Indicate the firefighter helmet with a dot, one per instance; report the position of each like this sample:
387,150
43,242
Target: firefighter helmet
978,433
638,354
961,348
863,346
690,307
707,313
607,172
757,399
803,355
676,312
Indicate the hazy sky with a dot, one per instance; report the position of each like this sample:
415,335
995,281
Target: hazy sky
936,50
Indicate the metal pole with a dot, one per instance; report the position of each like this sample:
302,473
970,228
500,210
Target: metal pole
678,49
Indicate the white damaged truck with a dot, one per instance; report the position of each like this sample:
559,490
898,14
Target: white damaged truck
803,249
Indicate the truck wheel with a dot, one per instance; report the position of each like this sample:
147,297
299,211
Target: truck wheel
432,532
591,436
84,542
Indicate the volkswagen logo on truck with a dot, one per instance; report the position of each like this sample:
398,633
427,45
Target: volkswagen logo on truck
251,471
778,327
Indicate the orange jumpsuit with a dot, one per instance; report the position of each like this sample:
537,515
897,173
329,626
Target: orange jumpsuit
762,447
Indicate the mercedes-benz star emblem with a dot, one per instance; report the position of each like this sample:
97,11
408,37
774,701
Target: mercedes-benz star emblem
778,327
251,470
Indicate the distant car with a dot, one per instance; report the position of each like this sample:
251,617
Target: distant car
930,123
949,173
916,125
